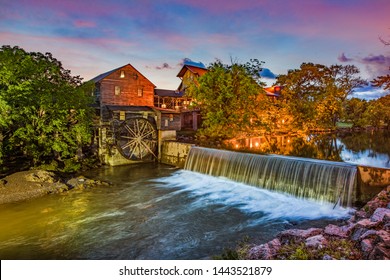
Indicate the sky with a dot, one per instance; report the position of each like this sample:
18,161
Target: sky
91,37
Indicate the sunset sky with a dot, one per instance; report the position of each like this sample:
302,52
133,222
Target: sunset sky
94,36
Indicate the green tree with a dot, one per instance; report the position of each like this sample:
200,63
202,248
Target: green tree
45,112
354,112
315,94
227,96
378,113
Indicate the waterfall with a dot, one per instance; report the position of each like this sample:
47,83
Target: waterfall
305,178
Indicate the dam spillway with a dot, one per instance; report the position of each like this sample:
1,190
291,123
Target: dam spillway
320,180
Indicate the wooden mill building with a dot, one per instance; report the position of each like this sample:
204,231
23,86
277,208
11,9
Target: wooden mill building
134,117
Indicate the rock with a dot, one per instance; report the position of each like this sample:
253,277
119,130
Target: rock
317,241
298,235
379,253
369,234
380,214
40,176
356,235
361,214
335,231
366,246
384,237
327,257
367,223
265,251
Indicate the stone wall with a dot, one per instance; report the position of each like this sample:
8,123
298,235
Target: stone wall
174,153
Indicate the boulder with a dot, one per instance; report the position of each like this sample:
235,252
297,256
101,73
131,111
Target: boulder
379,253
40,176
265,251
317,241
366,245
335,231
298,235
380,214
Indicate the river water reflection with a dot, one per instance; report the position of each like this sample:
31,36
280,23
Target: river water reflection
363,148
152,212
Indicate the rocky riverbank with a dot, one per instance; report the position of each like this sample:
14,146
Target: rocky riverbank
30,184
366,235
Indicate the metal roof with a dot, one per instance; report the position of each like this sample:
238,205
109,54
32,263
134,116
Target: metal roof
106,74
194,69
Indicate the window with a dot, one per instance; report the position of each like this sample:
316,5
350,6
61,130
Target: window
122,74
117,90
140,91
122,115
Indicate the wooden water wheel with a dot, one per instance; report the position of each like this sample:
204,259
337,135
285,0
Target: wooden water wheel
136,139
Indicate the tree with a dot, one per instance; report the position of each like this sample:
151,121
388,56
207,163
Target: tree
378,113
45,112
315,94
355,112
383,81
227,96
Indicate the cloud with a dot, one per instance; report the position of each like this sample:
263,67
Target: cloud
164,66
187,61
375,65
342,58
267,74
84,23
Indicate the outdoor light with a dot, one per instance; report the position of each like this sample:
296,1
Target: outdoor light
163,106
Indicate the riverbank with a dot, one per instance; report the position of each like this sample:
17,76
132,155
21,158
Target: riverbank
31,184
365,236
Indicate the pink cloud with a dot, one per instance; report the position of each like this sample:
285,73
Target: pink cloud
84,23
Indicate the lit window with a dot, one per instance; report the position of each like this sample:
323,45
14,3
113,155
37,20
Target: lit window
122,74
117,90
140,92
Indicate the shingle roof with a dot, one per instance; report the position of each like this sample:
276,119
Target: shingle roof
168,92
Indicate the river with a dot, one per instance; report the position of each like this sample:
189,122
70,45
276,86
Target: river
153,211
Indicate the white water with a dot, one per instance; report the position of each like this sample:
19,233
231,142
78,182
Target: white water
206,190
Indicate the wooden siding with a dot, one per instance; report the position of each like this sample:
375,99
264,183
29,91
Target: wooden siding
126,91
170,121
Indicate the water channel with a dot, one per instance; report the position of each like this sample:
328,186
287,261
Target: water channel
152,212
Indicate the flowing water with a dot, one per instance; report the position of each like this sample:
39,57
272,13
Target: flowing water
153,212
308,178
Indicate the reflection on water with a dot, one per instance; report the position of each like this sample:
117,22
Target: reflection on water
363,148
152,212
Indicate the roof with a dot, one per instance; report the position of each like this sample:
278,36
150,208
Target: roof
106,74
194,69
273,91
168,92
128,108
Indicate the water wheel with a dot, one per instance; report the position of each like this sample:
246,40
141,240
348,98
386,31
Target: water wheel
136,139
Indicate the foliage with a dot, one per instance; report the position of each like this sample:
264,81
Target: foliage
45,111
314,95
378,113
354,112
240,251
340,249
382,81
227,96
